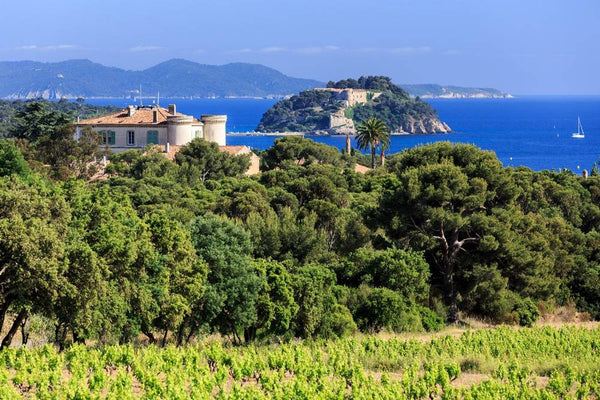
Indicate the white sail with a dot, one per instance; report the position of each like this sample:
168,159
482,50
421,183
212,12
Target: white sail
580,134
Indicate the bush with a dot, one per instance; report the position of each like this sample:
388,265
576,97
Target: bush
527,312
381,308
430,320
338,323
11,160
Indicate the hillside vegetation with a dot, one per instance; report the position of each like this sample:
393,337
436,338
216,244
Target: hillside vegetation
310,110
175,250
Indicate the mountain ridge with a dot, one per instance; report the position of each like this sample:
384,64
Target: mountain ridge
172,78
176,77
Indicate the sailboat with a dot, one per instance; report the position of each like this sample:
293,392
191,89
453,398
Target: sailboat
580,134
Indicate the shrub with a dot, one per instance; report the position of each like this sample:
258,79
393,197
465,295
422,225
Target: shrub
430,320
527,312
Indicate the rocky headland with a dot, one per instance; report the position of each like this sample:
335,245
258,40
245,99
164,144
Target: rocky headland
341,106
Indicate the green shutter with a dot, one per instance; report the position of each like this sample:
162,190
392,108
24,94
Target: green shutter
152,137
111,137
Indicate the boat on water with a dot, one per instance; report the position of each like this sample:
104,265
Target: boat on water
580,134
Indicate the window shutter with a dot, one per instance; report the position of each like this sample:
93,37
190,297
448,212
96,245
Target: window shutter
111,137
152,137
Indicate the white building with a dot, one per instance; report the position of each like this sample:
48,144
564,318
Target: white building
138,126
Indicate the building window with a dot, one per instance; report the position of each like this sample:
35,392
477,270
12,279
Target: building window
198,134
130,138
103,136
152,137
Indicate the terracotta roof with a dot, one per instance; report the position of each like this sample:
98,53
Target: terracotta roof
235,150
143,116
361,169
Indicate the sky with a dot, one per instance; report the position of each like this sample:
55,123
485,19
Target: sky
517,46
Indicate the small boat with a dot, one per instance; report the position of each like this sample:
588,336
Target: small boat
580,133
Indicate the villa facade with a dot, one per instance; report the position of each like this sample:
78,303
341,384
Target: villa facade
139,126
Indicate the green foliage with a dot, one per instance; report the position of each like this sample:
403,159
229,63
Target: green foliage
309,248
11,160
307,111
36,120
527,312
404,272
373,134
319,314
203,159
10,109
381,308
430,320
276,307
299,151
233,286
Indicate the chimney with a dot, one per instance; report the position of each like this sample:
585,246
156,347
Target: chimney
130,111
172,109
155,116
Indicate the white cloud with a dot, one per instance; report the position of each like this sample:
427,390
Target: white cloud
272,49
47,48
144,48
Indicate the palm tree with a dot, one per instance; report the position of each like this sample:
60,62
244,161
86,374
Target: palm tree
370,135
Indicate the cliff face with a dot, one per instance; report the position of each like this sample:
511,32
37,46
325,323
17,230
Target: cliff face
425,126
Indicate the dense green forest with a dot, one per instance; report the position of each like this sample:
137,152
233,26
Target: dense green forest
9,109
310,110
308,248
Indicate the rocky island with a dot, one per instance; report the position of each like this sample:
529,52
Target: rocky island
339,107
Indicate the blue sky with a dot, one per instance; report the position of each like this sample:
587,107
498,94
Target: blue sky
523,47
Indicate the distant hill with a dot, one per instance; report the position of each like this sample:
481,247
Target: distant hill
173,78
452,92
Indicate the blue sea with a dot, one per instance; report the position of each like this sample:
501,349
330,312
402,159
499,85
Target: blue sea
534,131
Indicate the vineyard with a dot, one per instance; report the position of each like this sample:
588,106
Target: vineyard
548,363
